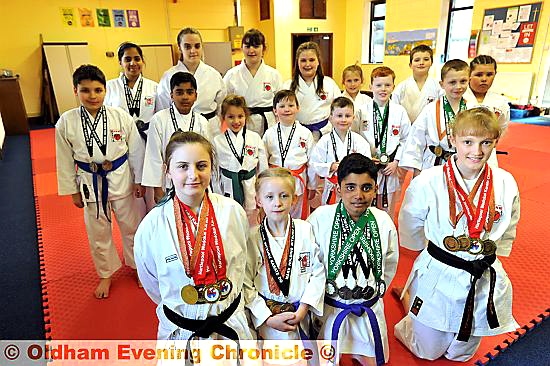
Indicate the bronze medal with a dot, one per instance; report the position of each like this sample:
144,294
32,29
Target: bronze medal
287,308
331,288
451,243
447,155
384,159
476,247
93,167
212,293
464,242
438,151
107,165
189,294
489,247
345,293
368,292
276,309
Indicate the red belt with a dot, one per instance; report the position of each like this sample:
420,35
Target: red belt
296,173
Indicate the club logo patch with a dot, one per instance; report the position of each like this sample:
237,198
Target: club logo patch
116,136
250,150
395,130
498,213
305,261
149,101
267,86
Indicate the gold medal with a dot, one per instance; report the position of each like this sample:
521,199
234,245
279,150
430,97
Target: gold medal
93,167
476,247
189,294
438,151
464,242
384,159
489,247
107,165
212,293
451,243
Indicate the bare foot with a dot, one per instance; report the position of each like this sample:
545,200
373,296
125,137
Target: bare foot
404,298
102,289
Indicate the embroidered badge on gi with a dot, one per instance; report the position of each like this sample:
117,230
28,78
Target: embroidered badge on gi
498,213
416,305
303,143
171,258
395,130
323,96
267,86
116,135
305,261
149,101
250,150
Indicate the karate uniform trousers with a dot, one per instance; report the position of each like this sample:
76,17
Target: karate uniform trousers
322,157
315,108
116,97
355,335
396,137
258,91
297,156
307,278
210,92
160,130
407,94
443,289
122,138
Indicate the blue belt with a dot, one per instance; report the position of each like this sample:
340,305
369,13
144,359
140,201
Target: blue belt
358,310
104,182
316,126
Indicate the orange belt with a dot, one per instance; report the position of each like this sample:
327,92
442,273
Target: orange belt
332,194
296,173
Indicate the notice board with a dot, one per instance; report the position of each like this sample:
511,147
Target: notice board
508,34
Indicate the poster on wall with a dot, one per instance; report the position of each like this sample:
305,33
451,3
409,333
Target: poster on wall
133,18
103,18
119,19
508,33
86,17
401,43
68,17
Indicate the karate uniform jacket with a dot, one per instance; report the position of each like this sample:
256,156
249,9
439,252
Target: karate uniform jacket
396,132
355,333
443,289
359,101
307,278
322,156
116,96
258,90
298,153
254,157
70,145
315,108
160,130
413,99
161,271
416,153
210,88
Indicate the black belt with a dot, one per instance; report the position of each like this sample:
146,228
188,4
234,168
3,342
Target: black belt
205,327
209,115
445,155
476,269
142,128
261,111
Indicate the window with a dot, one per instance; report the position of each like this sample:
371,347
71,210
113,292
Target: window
458,29
264,10
313,9
374,50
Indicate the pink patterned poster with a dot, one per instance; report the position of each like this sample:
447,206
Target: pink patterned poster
133,18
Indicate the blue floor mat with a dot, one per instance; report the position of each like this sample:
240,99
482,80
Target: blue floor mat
538,120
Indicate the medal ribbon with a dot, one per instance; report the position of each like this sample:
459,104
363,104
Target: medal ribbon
381,127
175,121
371,245
449,115
89,130
232,147
284,151
333,139
476,217
274,276
133,103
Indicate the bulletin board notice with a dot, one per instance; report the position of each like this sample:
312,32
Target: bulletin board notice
508,34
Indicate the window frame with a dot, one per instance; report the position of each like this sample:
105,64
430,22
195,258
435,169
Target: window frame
452,10
371,22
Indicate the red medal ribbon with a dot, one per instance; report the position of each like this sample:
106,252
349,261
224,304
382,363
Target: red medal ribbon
476,217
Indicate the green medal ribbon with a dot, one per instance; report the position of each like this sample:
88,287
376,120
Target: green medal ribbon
450,114
370,242
381,127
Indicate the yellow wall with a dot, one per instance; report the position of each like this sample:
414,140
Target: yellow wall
160,21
